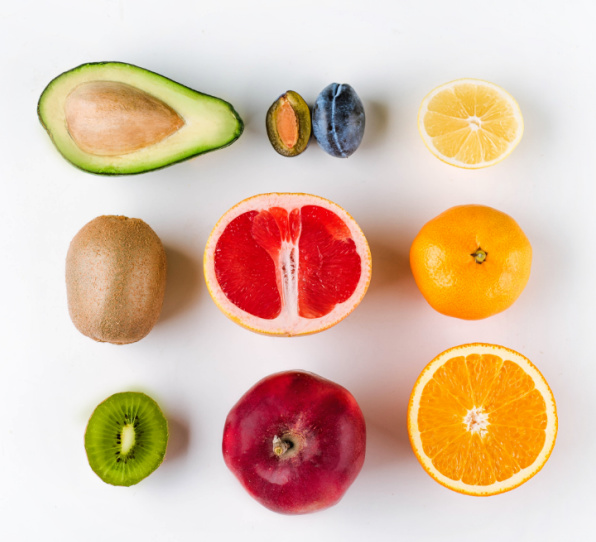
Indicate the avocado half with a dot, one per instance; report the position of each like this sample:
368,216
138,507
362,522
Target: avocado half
113,118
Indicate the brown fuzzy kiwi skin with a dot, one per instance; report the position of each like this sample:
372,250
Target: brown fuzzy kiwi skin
115,279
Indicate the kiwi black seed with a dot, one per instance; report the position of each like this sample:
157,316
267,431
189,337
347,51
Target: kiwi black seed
126,438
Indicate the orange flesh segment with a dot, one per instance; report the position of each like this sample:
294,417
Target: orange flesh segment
512,435
304,261
287,123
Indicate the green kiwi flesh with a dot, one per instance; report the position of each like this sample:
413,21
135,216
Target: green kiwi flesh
126,438
115,279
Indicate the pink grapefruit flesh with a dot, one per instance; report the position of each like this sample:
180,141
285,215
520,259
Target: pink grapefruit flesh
287,264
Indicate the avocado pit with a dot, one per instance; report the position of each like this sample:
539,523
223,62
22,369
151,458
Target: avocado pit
110,118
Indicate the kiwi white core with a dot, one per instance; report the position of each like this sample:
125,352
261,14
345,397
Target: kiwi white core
127,438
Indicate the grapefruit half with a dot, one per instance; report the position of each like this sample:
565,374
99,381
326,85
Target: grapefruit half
287,264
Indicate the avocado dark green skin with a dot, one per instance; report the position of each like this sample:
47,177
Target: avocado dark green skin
107,172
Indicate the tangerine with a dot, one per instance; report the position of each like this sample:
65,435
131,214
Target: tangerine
471,262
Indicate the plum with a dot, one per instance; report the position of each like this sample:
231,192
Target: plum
338,120
295,441
288,124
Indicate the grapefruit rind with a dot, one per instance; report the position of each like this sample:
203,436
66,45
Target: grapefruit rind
423,110
541,385
282,326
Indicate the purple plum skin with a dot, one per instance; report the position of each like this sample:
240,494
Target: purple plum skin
338,120
323,420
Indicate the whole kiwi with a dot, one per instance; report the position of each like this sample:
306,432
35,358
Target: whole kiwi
115,279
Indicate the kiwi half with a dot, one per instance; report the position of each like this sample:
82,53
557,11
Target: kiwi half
126,438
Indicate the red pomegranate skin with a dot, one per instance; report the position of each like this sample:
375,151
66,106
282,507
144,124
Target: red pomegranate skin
296,441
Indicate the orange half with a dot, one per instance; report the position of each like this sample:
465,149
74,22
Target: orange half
482,419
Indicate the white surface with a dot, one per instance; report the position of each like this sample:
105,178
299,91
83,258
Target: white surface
196,363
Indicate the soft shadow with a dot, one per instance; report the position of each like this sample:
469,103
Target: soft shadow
386,425
386,448
183,283
384,402
377,123
179,438
538,128
248,118
390,261
389,264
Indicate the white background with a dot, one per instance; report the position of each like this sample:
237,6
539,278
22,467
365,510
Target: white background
196,363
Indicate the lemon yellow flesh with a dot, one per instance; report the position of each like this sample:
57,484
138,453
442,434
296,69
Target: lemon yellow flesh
471,123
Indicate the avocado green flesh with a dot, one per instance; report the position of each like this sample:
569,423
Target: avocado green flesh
209,123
